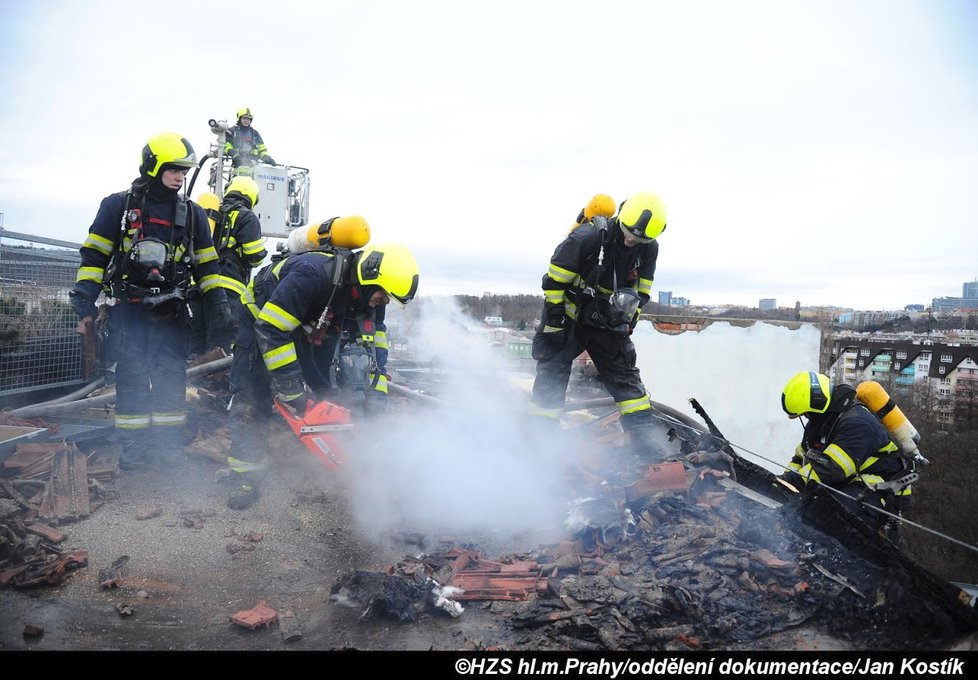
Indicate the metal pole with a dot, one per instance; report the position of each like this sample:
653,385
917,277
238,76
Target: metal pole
52,408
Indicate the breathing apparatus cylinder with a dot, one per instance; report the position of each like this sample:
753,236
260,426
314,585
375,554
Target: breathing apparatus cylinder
343,232
901,430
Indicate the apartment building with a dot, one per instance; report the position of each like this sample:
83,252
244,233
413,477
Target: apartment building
946,366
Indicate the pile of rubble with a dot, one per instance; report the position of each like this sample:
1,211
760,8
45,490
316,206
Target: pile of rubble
42,486
684,557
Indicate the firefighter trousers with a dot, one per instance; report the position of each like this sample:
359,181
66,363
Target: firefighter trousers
150,378
614,358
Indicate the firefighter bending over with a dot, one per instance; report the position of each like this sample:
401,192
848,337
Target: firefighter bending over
142,249
287,305
846,447
599,278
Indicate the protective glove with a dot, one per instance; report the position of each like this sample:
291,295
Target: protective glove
548,342
83,305
268,159
220,322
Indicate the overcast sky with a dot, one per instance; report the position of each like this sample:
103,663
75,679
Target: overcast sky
825,152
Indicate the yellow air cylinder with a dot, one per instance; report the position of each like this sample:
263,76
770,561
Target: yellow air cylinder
901,430
211,205
343,232
304,238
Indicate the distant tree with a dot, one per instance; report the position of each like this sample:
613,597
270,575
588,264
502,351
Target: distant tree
945,497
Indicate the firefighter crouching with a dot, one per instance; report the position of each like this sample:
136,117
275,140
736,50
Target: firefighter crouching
600,275
846,447
141,251
287,304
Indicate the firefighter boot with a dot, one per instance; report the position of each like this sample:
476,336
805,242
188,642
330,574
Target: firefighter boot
245,491
644,437
132,458
246,478
134,446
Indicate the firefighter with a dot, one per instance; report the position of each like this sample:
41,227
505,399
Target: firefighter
142,249
845,447
599,278
244,145
347,364
290,305
240,248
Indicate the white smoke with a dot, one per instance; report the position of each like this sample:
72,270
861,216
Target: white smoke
468,465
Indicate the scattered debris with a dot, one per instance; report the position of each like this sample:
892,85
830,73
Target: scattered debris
149,512
289,626
111,576
382,595
687,560
235,548
46,532
32,631
260,615
124,609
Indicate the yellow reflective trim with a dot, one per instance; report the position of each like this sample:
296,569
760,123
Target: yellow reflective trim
553,297
129,422
570,309
645,286
890,448
280,356
253,247
90,274
560,275
238,465
231,284
634,405
99,243
841,458
275,316
210,282
381,385
380,340
808,473
204,255
169,418
535,410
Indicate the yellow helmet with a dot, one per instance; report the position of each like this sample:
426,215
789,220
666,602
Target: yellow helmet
166,148
345,232
245,112
806,392
392,267
643,217
245,186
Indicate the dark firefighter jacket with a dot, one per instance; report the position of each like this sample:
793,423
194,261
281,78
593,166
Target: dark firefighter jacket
239,243
845,445
288,300
574,267
244,144
154,217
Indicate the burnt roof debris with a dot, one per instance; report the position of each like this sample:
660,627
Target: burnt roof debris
705,567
